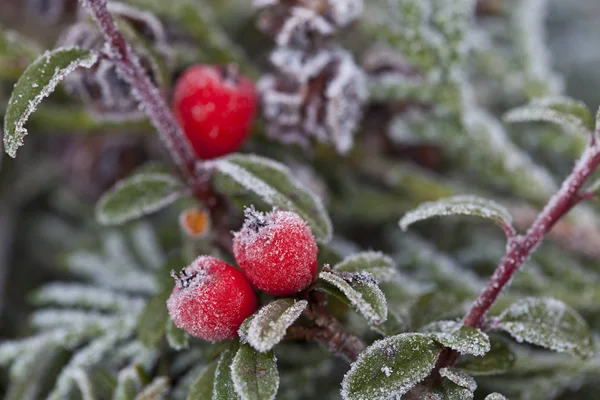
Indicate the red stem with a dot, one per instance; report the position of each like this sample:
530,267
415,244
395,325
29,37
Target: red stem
129,66
520,248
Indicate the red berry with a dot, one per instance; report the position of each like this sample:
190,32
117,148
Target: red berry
215,106
211,299
277,251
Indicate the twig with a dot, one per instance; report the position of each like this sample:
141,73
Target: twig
332,335
325,329
129,67
520,248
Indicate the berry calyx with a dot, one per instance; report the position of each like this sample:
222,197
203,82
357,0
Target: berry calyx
211,299
215,106
277,251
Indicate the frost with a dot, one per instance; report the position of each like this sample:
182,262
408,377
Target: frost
529,20
387,371
548,323
84,296
128,381
276,186
495,396
223,388
498,360
300,25
460,205
146,246
156,390
119,276
572,115
268,326
92,354
46,73
456,336
459,378
362,292
381,266
255,375
390,367
49,318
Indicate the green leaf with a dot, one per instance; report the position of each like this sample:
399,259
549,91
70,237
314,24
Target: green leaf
393,325
157,389
268,326
176,337
275,185
498,360
455,335
495,396
390,367
255,375
381,266
433,306
359,290
460,205
203,386
572,115
129,383
136,196
548,323
223,386
37,82
457,385
152,321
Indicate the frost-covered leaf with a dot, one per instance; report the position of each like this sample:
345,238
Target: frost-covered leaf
460,378
275,185
548,323
223,388
255,375
360,290
177,338
498,360
129,383
460,205
433,306
37,82
156,390
152,322
495,396
381,266
390,367
136,196
393,325
457,385
81,296
269,325
203,385
455,335
572,115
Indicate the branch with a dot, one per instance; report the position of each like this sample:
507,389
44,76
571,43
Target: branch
129,67
325,329
520,248
332,335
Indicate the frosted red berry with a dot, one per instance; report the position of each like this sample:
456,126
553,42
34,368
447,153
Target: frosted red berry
277,251
211,299
215,106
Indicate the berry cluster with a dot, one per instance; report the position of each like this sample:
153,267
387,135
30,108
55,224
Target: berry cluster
276,252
